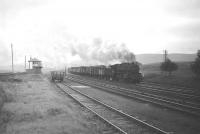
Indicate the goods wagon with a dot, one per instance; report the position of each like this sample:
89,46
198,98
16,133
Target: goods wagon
57,76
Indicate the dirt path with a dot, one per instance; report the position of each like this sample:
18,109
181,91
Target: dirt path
35,106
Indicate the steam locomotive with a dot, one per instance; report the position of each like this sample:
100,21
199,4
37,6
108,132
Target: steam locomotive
127,72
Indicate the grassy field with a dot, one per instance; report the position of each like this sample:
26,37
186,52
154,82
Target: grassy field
182,77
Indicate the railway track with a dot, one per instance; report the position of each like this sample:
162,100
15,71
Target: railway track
185,98
119,121
177,90
179,93
155,99
167,86
179,97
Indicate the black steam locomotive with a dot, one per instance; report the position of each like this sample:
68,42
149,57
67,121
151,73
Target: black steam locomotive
128,72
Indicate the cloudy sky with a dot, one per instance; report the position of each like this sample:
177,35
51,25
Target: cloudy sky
62,32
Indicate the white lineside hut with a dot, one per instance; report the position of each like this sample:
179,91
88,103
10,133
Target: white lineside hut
35,66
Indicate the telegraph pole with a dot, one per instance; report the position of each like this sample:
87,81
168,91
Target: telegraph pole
65,70
12,57
25,64
165,55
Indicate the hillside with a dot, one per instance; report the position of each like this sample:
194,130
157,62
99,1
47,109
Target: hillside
155,58
182,77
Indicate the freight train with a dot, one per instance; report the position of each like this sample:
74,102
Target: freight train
128,72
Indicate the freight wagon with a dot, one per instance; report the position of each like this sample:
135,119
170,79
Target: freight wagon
57,76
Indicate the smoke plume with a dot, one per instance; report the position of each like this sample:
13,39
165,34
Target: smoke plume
99,52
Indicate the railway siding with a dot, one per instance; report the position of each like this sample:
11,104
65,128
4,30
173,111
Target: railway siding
183,106
126,122
159,116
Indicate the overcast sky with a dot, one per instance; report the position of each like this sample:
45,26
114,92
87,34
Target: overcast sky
61,31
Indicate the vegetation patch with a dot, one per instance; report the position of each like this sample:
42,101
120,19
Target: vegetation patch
4,78
9,78
54,111
14,80
29,117
182,77
2,96
4,116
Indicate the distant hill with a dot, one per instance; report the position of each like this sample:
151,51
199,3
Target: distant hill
155,58
182,77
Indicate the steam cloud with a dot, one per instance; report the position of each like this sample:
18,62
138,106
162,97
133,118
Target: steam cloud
99,52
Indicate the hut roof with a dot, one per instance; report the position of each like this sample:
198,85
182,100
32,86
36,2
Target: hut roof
34,60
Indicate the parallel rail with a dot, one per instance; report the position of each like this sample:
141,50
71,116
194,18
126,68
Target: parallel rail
119,120
186,94
143,97
168,94
180,93
116,128
172,88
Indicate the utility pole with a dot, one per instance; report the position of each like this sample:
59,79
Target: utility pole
12,57
65,71
29,63
25,64
165,55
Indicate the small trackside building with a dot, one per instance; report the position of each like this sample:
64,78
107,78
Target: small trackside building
35,66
